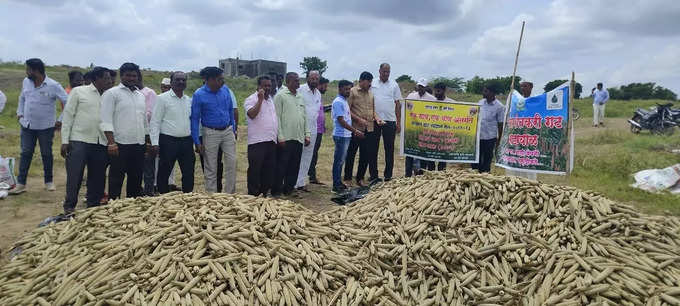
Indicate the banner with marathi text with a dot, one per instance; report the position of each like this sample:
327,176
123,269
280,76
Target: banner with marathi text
440,131
535,136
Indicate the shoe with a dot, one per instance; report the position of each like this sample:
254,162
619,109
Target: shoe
303,189
375,181
388,179
595,125
50,186
174,188
339,188
316,182
104,199
347,183
360,183
18,188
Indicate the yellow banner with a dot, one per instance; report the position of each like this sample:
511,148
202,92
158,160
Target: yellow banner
440,131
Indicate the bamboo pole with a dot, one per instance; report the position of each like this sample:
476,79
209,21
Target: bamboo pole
514,70
570,126
509,97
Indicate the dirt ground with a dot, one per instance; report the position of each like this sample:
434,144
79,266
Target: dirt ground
22,213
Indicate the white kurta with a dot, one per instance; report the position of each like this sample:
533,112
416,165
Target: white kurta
312,105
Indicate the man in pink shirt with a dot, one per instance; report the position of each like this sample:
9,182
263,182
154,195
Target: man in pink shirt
262,138
320,129
149,159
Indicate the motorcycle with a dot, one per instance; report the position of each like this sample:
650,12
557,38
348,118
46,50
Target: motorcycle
659,121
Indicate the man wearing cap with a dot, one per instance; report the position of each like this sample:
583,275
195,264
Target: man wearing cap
171,134
212,110
82,142
412,165
124,122
165,85
312,98
388,107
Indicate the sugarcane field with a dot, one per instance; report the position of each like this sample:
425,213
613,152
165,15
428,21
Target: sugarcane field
340,153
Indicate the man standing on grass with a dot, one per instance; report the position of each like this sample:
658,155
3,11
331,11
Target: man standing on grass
364,118
262,137
600,98
212,110
293,134
388,107
342,132
492,116
170,132
412,165
165,87
36,114
525,89
149,160
320,129
124,122
312,99
83,143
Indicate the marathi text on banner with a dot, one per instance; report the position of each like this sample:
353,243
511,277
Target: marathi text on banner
440,131
535,137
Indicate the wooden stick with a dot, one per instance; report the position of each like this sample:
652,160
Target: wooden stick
570,122
514,70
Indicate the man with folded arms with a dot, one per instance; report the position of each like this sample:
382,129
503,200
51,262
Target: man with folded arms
171,134
83,143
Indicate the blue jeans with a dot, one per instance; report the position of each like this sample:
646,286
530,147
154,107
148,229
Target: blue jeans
28,140
341,145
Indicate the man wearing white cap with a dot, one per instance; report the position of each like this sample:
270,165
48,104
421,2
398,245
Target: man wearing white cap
412,165
165,85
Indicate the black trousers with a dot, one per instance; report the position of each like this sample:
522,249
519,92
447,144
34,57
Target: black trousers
368,156
220,167
171,150
287,167
486,149
440,166
388,133
93,156
261,167
149,175
315,156
130,162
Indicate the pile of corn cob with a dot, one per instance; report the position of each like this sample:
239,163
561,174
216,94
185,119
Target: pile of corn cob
453,238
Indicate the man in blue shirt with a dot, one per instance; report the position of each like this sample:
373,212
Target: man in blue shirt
600,98
342,132
212,111
36,114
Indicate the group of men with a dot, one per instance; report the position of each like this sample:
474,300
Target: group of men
140,136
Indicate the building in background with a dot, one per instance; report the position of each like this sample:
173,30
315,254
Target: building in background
234,67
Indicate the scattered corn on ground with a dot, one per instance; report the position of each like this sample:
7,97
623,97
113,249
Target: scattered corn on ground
445,238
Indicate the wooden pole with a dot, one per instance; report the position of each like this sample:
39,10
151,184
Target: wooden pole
570,126
514,70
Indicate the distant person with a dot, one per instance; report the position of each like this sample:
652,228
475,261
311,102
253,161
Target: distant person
124,122
75,79
113,77
525,89
412,165
320,130
36,114
150,160
312,99
600,98
262,137
440,96
279,82
364,118
165,85
342,132
388,107
87,78
3,101
83,144
212,111
170,133
491,116
293,134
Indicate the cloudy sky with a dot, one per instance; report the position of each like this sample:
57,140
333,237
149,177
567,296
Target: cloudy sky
613,41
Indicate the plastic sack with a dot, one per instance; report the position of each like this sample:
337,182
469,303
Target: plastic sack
655,180
351,195
7,171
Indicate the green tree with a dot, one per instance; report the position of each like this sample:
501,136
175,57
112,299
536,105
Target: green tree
455,83
404,78
313,63
500,84
554,83
641,91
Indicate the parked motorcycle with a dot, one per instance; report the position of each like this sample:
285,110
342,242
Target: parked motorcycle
659,121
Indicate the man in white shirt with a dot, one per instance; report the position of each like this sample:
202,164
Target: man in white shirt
150,162
262,137
170,133
491,116
123,115
312,98
83,143
412,165
388,108
525,89
600,98
3,101
36,114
